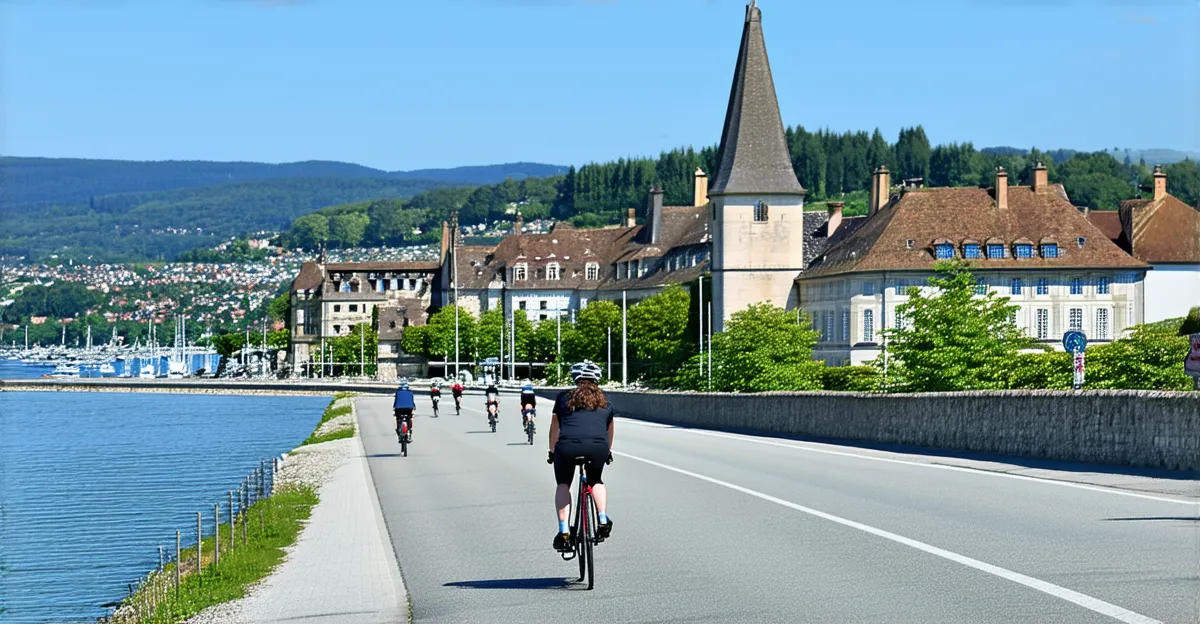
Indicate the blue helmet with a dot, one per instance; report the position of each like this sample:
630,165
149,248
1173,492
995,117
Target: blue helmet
527,388
404,384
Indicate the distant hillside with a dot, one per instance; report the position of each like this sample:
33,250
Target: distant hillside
31,183
1151,156
161,224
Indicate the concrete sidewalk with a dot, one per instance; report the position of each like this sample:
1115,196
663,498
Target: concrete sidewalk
342,569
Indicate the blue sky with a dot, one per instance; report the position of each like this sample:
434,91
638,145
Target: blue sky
401,84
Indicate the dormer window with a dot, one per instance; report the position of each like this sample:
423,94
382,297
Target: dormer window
1081,240
1049,250
995,251
593,271
971,251
760,212
943,251
520,272
552,271
1024,250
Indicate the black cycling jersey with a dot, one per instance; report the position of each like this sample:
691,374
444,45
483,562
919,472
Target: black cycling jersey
528,398
583,425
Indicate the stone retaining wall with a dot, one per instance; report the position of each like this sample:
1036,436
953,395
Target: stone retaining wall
1119,427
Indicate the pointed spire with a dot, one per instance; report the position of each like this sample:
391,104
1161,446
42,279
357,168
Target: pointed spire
753,157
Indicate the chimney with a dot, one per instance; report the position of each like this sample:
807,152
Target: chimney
1160,183
654,213
700,192
881,188
631,219
1040,181
835,218
1001,188
520,223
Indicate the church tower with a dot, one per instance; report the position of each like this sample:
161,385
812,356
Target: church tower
757,202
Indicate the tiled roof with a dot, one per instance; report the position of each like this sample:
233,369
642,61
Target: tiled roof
309,278
753,155
1166,230
682,226
474,273
1109,223
816,237
382,266
958,214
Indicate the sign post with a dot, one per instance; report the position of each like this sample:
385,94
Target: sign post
1075,342
1191,365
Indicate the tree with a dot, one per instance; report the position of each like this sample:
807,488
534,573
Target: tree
492,323
657,326
278,339
1151,358
355,353
588,337
415,341
310,231
347,230
440,337
953,339
60,300
762,349
280,307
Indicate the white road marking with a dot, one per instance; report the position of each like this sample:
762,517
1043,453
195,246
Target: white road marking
1083,600
977,471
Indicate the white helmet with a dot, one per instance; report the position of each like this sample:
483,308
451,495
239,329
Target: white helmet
585,370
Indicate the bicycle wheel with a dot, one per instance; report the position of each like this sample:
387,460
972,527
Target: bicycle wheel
529,430
404,446
578,530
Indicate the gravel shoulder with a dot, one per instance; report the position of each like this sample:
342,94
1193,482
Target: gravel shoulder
312,465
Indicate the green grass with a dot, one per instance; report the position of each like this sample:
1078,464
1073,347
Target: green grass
282,517
344,395
333,412
339,434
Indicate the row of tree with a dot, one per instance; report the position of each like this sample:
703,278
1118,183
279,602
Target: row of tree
828,164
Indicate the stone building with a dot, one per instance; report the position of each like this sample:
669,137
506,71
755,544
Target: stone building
1165,233
329,299
1024,242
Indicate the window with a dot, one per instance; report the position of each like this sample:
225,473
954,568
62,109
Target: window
760,211
828,326
869,288
1049,250
541,317
868,326
300,318
337,329
552,271
1080,241
1076,286
971,252
543,305
355,286
1043,323
520,272
1017,285
521,305
943,251
345,287
995,251
354,307
1101,285
593,271
337,307
394,347
1102,323
620,270
1024,251
845,325
981,286
1043,286
1076,319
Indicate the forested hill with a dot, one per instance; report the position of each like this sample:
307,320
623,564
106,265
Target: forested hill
37,182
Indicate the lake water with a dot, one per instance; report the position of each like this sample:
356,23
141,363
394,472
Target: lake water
91,483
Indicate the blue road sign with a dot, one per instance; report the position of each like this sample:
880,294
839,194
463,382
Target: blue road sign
1074,341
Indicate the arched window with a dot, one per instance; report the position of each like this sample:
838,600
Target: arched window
552,271
760,211
593,271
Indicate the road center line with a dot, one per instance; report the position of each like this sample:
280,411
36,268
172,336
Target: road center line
977,471
1083,600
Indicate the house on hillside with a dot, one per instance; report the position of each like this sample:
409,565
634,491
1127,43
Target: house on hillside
1165,233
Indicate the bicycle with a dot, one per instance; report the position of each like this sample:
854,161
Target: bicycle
404,433
458,405
583,530
435,407
492,416
529,426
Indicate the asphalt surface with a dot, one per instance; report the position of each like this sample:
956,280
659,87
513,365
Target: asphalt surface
713,527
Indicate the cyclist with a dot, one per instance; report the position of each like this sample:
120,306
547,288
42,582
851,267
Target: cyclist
581,425
493,397
528,402
404,405
457,391
435,394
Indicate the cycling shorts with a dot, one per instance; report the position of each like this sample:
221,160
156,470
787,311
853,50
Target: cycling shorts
565,452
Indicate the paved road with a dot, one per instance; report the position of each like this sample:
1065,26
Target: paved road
713,527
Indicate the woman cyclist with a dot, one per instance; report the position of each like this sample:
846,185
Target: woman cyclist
457,391
581,426
528,402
